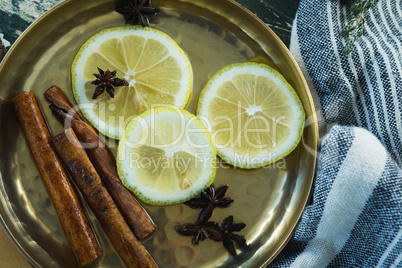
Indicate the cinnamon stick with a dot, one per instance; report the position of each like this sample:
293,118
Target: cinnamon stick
59,100
104,162
101,203
61,191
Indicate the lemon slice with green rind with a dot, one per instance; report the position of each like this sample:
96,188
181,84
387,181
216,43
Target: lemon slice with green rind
166,156
157,69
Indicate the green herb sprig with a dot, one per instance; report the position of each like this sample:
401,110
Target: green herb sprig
355,27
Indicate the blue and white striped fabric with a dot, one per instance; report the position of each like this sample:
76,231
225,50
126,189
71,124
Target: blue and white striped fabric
355,218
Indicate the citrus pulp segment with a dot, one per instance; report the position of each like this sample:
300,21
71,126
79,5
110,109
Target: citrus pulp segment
166,156
158,71
254,115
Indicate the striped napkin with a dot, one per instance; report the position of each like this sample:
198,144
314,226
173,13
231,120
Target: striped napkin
355,217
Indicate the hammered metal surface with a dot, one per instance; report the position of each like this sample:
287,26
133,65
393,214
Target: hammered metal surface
214,34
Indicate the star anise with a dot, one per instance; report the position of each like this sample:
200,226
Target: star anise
201,231
204,229
210,199
106,81
227,228
212,230
136,11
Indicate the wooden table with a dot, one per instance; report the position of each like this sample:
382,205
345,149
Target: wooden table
10,257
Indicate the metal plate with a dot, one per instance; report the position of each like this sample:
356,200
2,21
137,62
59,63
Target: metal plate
269,200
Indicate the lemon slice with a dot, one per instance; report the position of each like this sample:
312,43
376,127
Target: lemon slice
166,156
158,71
254,115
